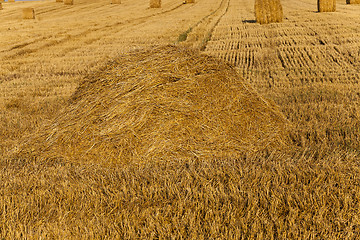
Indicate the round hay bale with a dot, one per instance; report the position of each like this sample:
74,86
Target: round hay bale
155,3
352,1
68,2
28,13
115,1
163,103
268,11
326,5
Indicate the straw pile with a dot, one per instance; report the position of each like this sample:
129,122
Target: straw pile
352,1
326,5
115,1
163,103
155,3
68,2
28,13
268,11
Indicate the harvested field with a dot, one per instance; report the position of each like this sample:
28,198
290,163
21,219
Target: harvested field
102,83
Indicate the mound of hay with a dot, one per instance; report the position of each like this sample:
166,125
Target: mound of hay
115,1
68,2
268,11
155,3
28,13
326,5
352,1
163,103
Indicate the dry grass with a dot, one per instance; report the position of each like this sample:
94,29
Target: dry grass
308,66
59,1
1,6
28,13
326,5
155,3
115,1
268,11
190,1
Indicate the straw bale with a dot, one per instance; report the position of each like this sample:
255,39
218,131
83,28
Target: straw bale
162,103
190,1
28,13
268,11
115,1
68,2
352,1
155,3
326,5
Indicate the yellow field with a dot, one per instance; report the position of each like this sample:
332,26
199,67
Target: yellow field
308,65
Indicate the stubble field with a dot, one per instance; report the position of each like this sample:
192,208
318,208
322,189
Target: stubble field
306,69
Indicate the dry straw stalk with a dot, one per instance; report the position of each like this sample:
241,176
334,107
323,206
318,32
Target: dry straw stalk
155,3
190,1
326,5
59,0
268,11
28,13
69,2
115,1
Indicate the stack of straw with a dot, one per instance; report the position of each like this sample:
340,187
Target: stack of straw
326,5
268,11
28,13
161,103
155,3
